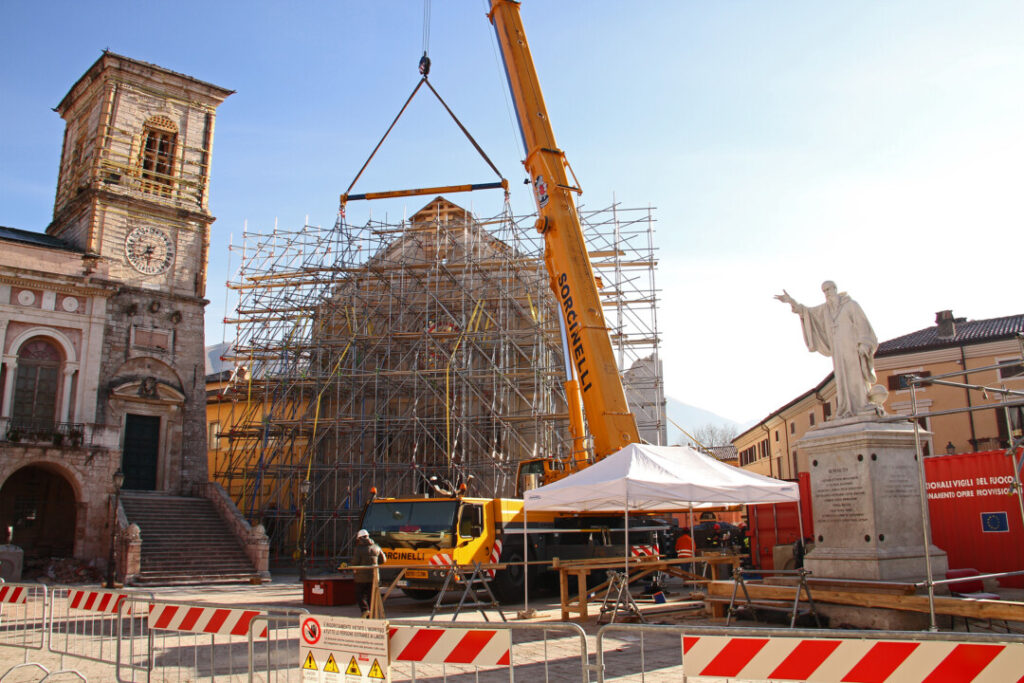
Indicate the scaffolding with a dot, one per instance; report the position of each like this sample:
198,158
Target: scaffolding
413,357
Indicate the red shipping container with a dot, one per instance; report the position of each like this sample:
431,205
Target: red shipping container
975,516
329,591
774,524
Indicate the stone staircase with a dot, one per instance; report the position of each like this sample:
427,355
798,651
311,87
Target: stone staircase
185,542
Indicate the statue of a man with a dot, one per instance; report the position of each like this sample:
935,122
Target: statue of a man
839,328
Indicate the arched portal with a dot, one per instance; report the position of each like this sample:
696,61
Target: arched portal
37,512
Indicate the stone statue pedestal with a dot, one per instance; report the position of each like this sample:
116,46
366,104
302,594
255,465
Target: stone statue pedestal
866,501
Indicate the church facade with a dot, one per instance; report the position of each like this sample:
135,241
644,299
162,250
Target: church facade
101,315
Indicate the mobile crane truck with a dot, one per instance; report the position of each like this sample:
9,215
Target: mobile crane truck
464,530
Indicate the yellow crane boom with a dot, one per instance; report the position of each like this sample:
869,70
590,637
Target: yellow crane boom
596,380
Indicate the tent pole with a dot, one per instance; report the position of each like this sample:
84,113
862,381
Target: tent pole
627,532
526,565
799,521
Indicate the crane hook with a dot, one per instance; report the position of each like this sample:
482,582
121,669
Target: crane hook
424,65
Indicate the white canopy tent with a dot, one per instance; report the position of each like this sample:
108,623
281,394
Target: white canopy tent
657,478
642,477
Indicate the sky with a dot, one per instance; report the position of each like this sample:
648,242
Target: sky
880,145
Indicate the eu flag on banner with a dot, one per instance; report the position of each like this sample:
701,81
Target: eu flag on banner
995,521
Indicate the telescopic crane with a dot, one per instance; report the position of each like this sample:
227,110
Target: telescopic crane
593,387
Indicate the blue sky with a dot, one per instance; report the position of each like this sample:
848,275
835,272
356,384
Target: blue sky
876,144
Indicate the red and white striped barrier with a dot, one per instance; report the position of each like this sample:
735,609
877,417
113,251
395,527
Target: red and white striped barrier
193,619
862,660
480,647
442,560
643,551
95,601
495,557
13,594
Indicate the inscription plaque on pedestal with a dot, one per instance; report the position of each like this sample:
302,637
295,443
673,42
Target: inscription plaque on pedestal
867,506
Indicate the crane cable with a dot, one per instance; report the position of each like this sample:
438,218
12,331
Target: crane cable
424,68
425,60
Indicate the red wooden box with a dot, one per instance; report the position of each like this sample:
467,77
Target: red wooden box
329,591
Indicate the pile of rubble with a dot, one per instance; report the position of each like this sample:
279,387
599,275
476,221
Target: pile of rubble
61,570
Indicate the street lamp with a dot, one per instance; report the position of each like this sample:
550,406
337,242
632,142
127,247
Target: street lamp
118,482
304,488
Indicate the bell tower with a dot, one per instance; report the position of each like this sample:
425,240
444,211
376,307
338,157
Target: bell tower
134,178
133,192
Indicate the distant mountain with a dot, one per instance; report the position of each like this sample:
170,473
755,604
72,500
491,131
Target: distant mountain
690,418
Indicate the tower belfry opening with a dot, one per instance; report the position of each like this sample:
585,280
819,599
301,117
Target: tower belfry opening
414,357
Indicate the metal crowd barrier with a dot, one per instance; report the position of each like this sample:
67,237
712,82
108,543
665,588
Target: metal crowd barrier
191,641
550,652
47,674
88,623
811,655
23,616
273,648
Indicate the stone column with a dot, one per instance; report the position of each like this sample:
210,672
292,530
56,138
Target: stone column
11,362
65,401
866,498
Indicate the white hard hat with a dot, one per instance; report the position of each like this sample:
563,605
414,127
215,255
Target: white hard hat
362,533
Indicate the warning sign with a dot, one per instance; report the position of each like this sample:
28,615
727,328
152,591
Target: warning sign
311,631
361,643
353,668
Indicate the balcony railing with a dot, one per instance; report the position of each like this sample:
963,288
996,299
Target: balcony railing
61,434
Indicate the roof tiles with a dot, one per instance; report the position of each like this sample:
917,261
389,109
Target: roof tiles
966,332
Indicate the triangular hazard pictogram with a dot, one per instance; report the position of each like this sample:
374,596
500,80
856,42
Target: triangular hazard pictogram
353,668
375,671
331,666
310,663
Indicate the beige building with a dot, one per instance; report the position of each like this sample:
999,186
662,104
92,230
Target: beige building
952,345
101,316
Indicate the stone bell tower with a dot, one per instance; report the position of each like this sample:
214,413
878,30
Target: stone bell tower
133,192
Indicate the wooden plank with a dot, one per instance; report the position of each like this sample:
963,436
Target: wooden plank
563,590
856,586
960,607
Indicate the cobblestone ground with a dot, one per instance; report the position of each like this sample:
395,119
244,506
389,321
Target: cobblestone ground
538,654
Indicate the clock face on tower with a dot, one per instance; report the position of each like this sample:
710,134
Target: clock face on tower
149,250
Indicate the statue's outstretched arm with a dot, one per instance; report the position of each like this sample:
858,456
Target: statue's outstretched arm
787,299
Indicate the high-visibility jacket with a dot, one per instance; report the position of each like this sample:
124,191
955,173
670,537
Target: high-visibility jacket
684,546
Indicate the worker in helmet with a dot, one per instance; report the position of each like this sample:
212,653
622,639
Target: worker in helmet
365,556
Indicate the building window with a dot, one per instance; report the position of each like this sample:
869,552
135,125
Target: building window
792,427
811,416
1011,369
776,435
926,442
160,141
1010,423
213,436
901,381
35,386
826,410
